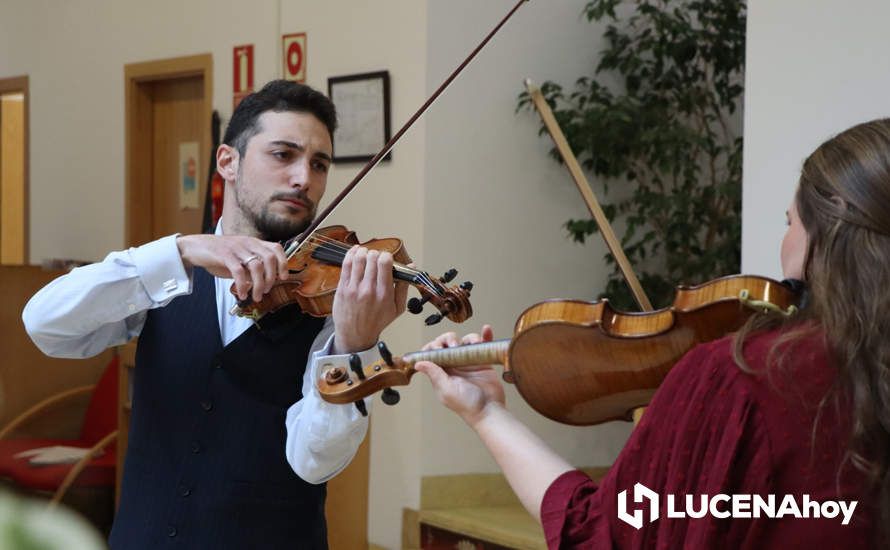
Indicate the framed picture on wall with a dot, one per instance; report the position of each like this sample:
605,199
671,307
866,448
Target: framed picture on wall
362,102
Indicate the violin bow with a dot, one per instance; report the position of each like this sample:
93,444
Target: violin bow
612,242
294,245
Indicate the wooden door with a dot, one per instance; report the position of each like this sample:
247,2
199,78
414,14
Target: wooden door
346,508
176,119
14,171
169,104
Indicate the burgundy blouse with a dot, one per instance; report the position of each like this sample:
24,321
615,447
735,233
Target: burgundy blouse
714,429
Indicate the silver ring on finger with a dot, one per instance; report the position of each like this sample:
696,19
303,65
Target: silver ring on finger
250,259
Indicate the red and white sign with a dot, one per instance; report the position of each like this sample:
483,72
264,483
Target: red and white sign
293,55
242,73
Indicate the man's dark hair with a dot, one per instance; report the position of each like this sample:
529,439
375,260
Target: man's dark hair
277,96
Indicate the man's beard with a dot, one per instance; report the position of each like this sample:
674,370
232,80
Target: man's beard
277,228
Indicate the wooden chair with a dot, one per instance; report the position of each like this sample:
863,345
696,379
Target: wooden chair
96,469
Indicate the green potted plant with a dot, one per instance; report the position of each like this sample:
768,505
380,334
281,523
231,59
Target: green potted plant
660,121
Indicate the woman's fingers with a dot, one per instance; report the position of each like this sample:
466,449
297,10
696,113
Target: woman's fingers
451,340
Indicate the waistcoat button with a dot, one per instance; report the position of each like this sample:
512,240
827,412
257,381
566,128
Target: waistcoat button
207,405
196,447
171,531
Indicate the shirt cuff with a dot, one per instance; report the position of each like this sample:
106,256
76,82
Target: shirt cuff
161,270
323,357
324,361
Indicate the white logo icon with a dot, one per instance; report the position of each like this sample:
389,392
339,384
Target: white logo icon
641,492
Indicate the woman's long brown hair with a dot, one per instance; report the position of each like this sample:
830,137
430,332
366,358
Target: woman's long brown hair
844,205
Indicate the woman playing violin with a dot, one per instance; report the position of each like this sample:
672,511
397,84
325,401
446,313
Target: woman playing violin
796,408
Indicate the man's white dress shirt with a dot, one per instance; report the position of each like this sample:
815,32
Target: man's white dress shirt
105,304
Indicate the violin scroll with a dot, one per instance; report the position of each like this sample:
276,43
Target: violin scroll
338,386
452,302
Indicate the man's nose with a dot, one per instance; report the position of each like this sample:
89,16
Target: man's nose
299,174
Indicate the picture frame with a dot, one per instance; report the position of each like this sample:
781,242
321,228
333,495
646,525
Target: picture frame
363,112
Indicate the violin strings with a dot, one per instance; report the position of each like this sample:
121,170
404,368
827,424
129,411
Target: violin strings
340,249
339,246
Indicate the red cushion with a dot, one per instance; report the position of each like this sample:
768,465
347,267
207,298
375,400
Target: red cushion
99,473
101,414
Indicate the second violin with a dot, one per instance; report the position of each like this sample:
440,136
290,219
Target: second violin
584,363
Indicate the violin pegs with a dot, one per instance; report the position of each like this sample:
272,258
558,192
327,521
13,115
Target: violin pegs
467,285
433,319
390,396
355,363
449,275
384,353
360,405
415,305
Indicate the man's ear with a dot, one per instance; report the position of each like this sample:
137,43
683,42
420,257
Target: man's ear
227,159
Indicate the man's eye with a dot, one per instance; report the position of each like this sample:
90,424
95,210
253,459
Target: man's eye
281,154
320,166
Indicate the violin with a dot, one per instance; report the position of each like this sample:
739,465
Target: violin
314,271
584,363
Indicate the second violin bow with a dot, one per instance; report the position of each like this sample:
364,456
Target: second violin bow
562,145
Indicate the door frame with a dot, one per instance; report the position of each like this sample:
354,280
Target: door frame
138,134
19,84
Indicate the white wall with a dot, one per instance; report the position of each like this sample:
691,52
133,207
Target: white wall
495,201
814,68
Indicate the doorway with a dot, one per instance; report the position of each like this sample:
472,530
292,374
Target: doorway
168,109
14,171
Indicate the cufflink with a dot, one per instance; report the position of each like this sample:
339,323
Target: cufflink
170,285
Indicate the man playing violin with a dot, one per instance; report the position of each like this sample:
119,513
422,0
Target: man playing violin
791,407
229,443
